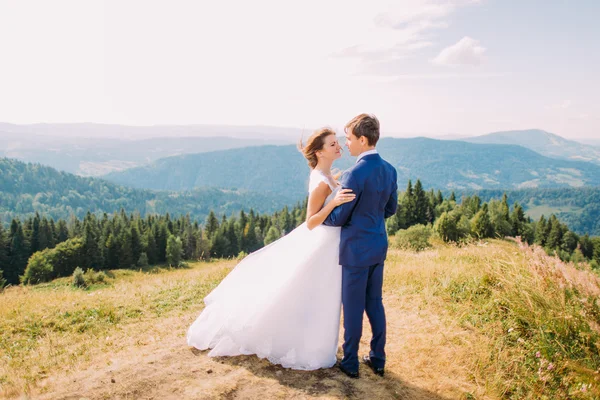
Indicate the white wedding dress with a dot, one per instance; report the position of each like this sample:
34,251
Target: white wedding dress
281,302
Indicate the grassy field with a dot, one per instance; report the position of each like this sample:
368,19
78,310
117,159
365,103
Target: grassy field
490,320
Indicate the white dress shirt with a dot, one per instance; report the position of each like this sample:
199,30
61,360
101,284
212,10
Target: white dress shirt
366,153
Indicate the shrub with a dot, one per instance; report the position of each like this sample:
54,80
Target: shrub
79,278
39,268
92,276
414,238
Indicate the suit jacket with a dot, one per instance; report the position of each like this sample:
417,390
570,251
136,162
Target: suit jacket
363,237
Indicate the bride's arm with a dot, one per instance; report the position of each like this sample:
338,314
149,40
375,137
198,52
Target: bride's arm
315,212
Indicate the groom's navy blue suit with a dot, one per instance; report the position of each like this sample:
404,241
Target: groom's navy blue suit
363,248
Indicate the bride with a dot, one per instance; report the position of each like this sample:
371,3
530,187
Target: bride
283,301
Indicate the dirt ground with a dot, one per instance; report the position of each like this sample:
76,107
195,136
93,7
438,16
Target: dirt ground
423,354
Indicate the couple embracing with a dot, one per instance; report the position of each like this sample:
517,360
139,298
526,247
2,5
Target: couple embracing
283,301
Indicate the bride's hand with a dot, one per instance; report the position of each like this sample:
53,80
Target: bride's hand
343,196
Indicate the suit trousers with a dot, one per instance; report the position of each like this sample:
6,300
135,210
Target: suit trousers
362,291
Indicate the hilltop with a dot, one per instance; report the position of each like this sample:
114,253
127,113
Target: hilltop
489,320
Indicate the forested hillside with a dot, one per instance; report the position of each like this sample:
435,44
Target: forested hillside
28,188
439,164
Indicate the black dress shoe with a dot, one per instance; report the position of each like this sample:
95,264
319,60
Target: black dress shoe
378,371
351,374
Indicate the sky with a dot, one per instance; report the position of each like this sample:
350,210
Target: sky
423,67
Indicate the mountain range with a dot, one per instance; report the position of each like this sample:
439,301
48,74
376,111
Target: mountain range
439,164
545,143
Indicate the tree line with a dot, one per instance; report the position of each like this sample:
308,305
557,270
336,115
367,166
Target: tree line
40,249
455,221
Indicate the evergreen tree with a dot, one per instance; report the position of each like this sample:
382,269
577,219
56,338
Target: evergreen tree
540,232
34,239
220,244
452,197
234,247
212,225
420,205
482,225
587,246
505,209
569,241
62,231
46,238
125,251
439,198
517,220
18,253
92,253
150,247
161,236
556,233
112,252
136,243
252,239
3,252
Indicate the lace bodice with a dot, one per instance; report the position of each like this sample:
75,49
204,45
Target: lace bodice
316,177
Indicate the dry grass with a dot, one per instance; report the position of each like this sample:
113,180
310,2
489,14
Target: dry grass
463,323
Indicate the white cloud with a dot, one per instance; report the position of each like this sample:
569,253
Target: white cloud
466,52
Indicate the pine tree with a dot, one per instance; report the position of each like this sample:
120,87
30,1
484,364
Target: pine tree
136,243
439,198
212,225
3,252
540,232
420,204
112,252
34,239
452,197
150,247
587,246
234,247
482,225
18,253
505,209
161,234
45,235
62,232
220,244
555,237
569,241
125,252
91,251
517,220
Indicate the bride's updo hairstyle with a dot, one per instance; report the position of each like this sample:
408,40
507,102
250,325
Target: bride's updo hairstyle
315,142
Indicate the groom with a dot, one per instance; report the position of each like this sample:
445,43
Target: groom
363,245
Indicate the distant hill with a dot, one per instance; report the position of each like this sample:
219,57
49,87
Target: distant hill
28,188
439,164
545,143
97,156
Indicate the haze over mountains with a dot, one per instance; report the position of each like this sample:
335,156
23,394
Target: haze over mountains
542,142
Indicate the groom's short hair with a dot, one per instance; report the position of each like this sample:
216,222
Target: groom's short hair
366,125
